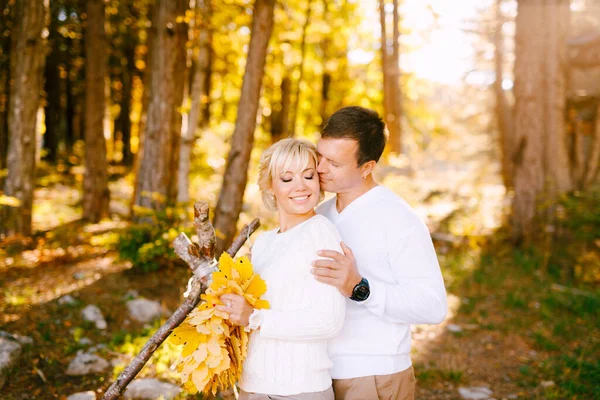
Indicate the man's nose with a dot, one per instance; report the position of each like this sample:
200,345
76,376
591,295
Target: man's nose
321,166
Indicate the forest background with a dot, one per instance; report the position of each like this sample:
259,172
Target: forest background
117,115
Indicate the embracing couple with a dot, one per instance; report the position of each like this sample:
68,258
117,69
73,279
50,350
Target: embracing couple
344,281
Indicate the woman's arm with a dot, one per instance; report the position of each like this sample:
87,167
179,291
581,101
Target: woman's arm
321,312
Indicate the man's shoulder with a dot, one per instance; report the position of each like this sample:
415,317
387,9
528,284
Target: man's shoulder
393,209
326,207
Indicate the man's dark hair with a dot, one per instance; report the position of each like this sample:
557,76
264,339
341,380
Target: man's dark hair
360,124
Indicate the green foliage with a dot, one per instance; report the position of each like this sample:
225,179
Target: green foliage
577,376
576,257
425,375
148,245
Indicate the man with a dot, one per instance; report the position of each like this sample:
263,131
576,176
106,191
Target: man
391,276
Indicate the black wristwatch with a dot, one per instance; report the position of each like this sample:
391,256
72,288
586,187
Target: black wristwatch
361,291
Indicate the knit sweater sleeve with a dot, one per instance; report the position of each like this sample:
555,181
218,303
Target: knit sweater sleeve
322,310
418,296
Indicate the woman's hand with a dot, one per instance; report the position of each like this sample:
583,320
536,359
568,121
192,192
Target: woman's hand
237,307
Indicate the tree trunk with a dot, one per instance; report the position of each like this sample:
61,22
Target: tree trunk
593,160
391,78
157,178
326,78
541,163
208,75
28,58
294,115
4,79
52,89
279,126
95,184
235,178
71,112
557,17
503,110
5,42
200,60
123,121
125,115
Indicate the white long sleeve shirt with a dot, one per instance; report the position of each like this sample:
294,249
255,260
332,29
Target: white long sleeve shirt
394,252
288,354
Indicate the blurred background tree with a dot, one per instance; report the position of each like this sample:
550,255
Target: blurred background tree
118,114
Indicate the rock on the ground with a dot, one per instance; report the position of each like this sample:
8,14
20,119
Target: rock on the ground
143,310
85,341
151,389
454,328
475,393
93,314
10,350
15,337
87,363
547,384
67,299
89,395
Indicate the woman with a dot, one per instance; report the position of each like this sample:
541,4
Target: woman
287,352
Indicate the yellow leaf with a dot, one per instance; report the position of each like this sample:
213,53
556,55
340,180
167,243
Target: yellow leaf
226,264
257,286
182,334
244,267
201,353
200,377
261,304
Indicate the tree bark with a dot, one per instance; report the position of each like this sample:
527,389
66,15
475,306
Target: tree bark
294,115
125,114
28,59
235,178
208,75
71,108
591,170
557,17
541,162
52,89
279,125
5,42
200,59
96,195
391,78
326,78
504,112
157,177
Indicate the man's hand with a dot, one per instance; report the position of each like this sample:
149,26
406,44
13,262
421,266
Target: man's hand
237,307
340,271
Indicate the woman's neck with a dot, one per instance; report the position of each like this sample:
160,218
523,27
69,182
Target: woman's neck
288,221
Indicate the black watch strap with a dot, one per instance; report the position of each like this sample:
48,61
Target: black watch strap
361,291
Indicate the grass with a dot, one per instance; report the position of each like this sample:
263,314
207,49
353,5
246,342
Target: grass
562,327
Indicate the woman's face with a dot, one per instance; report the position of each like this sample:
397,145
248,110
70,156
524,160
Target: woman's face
297,192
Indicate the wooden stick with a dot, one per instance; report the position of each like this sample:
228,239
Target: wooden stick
197,288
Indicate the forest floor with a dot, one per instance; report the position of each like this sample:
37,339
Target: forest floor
508,329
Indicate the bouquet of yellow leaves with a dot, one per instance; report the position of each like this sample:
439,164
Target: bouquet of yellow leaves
214,348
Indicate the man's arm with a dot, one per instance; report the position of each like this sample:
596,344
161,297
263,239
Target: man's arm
417,297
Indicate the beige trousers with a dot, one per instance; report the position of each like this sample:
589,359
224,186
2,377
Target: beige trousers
398,386
324,395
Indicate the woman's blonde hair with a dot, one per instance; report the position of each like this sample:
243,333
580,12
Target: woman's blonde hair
285,155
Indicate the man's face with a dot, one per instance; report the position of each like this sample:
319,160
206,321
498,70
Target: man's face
338,167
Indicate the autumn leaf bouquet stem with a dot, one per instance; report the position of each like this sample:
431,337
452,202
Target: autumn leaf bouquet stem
214,348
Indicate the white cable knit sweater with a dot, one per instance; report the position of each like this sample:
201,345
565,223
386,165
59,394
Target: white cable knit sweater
288,354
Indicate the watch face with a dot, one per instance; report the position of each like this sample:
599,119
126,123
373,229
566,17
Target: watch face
361,292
